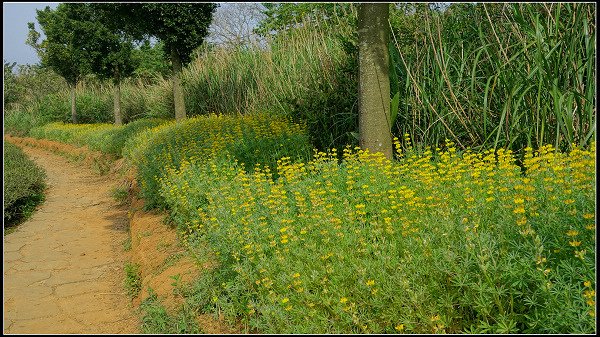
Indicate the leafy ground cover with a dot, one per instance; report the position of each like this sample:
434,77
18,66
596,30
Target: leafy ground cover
437,241
250,139
106,138
23,185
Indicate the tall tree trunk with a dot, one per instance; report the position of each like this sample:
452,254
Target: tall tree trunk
374,83
117,104
73,105
177,89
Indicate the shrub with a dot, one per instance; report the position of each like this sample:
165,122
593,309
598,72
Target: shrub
23,185
19,123
250,139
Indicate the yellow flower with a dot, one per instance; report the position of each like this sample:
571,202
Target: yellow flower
370,282
587,284
343,300
580,253
569,201
572,232
399,327
575,243
588,216
285,300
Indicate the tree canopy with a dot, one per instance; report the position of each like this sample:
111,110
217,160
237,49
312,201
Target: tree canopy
181,27
60,51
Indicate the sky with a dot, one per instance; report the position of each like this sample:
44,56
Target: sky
15,17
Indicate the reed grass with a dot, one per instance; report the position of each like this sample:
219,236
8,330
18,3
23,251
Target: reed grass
501,75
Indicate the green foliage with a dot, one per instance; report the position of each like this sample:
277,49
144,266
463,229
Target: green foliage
133,281
306,74
156,320
151,62
28,84
497,75
451,77
23,185
282,17
19,123
60,51
95,103
181,27
9,79
431,243
250,139
110,51
106,138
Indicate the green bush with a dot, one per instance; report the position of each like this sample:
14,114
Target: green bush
93,108
19,122
23,185
250,139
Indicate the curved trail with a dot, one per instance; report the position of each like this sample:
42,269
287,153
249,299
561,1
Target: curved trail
63,268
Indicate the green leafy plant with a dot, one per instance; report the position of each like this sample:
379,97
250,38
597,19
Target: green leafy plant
133,281
24,184
437,241
156,320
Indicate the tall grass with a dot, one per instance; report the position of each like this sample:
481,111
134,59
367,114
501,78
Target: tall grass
257,79
501,75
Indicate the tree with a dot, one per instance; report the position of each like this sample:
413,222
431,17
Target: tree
374,82
10,86
232,24
281,17
150,61
59,51
110,51
181,27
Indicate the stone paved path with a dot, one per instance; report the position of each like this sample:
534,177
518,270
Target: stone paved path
63,268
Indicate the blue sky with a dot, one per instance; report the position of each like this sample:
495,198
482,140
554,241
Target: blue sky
14,30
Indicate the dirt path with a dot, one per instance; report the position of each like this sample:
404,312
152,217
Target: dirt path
63,268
